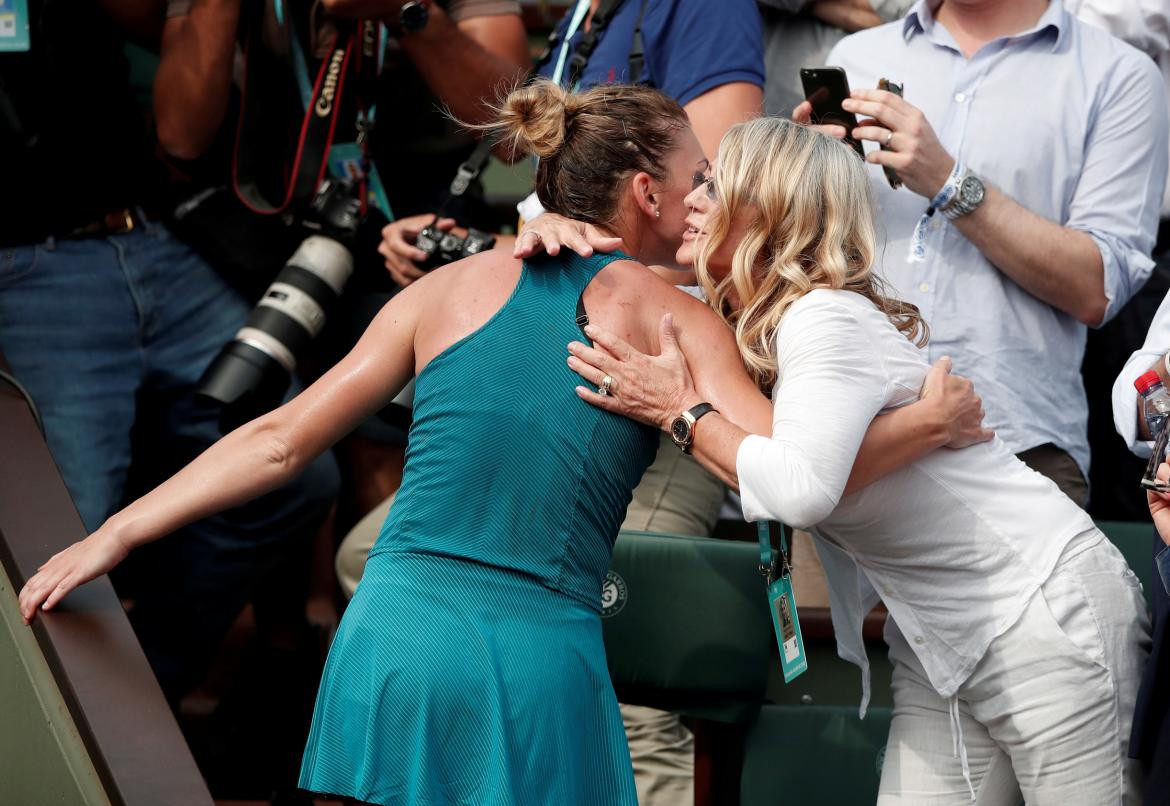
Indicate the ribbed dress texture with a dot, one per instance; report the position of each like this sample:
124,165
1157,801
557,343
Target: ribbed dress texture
469,666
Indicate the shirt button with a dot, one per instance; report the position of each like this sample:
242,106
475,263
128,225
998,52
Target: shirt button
960,97
924,287
918,639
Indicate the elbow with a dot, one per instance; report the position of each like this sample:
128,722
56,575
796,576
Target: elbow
274,447
1092,311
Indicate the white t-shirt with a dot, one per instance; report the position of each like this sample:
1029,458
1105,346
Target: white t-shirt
955,544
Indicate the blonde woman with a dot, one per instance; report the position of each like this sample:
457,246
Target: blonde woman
1016,629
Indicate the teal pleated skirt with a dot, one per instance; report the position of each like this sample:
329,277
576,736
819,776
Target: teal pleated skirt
451,682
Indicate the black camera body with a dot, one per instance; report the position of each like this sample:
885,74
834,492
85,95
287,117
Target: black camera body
442,248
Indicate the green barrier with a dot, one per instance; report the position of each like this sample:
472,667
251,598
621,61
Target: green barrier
686,625
804,754
42,756
1135,540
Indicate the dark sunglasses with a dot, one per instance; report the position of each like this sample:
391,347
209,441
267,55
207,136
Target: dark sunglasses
700,178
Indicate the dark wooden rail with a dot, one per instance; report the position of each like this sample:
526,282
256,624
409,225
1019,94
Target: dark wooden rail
121,715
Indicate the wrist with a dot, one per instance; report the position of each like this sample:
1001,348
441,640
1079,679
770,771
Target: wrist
685,402
936,422
941,177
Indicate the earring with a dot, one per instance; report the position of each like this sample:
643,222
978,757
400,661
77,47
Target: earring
657,213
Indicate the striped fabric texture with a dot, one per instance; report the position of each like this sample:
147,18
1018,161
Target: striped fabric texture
469,667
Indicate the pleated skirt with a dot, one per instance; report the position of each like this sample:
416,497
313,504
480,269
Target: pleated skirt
451,682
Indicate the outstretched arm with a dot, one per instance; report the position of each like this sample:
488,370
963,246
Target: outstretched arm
255,458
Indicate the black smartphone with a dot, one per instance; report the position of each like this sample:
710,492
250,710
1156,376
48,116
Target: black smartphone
825,88
891,175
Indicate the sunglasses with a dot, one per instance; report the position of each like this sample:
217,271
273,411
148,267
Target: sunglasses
700,178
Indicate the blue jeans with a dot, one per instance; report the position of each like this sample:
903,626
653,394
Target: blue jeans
110,336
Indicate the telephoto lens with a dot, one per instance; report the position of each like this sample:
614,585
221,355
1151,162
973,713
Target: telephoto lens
252,372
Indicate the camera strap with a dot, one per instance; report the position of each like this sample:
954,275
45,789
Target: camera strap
262,72
589,40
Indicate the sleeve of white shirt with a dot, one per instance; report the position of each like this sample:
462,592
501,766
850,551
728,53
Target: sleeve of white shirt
1145,24
1118,196
1125,412
831,385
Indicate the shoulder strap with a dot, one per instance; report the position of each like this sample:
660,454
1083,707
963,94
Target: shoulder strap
600,262
318,124
589,40
638,48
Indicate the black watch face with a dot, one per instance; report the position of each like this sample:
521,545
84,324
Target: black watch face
680,431
413,17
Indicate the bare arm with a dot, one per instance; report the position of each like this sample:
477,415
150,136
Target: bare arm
720,108
848,15
466,64
1059,265
253,459
193,82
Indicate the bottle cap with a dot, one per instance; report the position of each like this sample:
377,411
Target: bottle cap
1147,381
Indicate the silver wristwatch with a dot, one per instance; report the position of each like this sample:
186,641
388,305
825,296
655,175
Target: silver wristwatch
969,196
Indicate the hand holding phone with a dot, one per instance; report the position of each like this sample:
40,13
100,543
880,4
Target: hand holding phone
825,88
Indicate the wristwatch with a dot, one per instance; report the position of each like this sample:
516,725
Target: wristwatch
969,196
682,428
413,16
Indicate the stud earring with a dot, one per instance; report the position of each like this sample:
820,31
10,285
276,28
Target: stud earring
658,213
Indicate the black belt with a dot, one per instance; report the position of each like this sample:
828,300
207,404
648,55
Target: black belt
116,222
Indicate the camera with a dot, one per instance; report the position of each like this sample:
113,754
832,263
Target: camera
252,372
442,248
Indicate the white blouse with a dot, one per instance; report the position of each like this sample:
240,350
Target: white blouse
955,544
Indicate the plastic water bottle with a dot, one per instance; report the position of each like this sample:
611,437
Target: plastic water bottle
1156,410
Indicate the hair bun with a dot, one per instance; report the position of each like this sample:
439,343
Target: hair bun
534,116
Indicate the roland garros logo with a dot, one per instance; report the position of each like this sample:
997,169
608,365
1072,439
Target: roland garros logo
325,102
613,595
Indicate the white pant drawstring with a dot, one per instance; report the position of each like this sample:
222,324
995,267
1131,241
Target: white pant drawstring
958,746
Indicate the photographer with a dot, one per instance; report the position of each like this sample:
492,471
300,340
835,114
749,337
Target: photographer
452,55
109,321
709,61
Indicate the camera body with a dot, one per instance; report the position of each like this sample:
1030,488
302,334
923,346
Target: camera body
442,248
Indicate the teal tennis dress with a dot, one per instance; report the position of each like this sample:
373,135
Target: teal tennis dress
469,666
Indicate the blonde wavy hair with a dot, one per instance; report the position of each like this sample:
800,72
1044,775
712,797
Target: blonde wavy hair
810,210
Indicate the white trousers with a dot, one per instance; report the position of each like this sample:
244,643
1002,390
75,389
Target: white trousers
1046,714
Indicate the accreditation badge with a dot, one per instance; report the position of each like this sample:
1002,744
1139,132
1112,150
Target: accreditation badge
14,36
777,573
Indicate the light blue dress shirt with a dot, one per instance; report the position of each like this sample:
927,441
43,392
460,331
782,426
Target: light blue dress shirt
1072,124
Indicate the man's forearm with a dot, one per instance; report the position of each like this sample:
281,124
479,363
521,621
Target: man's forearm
1058,265
461,72
193,83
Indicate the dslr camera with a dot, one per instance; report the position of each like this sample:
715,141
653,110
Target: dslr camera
252,372
442,248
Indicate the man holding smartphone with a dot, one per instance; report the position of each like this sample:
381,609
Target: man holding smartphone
1032,149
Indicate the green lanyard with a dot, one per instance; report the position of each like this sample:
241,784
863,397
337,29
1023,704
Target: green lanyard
777,572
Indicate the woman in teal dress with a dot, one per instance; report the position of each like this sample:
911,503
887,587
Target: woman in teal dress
469,666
